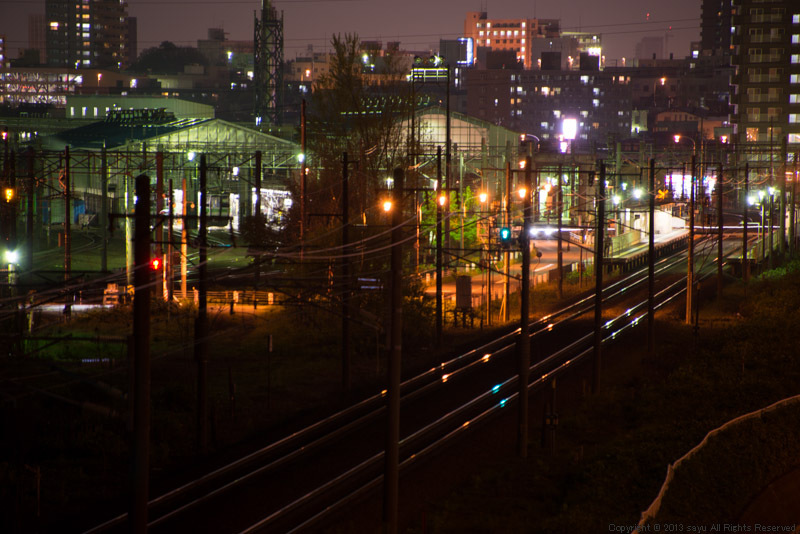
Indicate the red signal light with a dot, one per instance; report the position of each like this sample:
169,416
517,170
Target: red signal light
155,263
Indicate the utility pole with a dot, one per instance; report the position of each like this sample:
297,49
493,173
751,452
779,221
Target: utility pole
31,203
719,232
201,322
257,219
170,254
391,477
560,210
792,210
507,253
67,219
690,262
439,206
161,226
651,264
447,169
345,278
104,207
598,275
141,364
782,202
184,238
302,178
524,340
745,264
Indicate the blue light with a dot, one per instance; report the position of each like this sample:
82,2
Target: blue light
496,388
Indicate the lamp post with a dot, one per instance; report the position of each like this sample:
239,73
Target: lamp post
663,81
690,261
483,196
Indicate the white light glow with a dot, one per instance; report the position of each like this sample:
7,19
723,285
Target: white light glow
570,128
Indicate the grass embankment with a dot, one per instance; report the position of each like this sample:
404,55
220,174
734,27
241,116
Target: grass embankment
614,448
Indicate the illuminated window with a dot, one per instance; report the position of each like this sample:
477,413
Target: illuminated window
795,39
794,117
54,25
795,58
794,78
794,99
794,138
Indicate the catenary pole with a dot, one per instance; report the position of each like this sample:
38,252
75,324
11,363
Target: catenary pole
524,340
391,477
140,468
598,275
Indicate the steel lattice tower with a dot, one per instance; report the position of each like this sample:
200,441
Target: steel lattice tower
268,41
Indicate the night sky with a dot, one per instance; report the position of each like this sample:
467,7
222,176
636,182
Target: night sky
418,24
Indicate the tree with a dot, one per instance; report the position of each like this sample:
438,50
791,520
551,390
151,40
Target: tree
167,58
350,114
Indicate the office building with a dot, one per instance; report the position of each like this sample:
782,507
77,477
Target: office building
509,34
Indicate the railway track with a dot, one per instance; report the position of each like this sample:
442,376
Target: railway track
298,480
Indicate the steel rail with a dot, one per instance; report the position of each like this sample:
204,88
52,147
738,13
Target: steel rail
431,379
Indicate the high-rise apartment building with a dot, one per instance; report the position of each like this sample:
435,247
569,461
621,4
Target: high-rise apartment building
509,34
766,83
87,33
715,27
37,31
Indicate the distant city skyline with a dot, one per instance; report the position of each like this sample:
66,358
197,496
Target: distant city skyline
417,24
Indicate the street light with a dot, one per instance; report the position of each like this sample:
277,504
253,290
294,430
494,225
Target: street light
12,259
663,81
